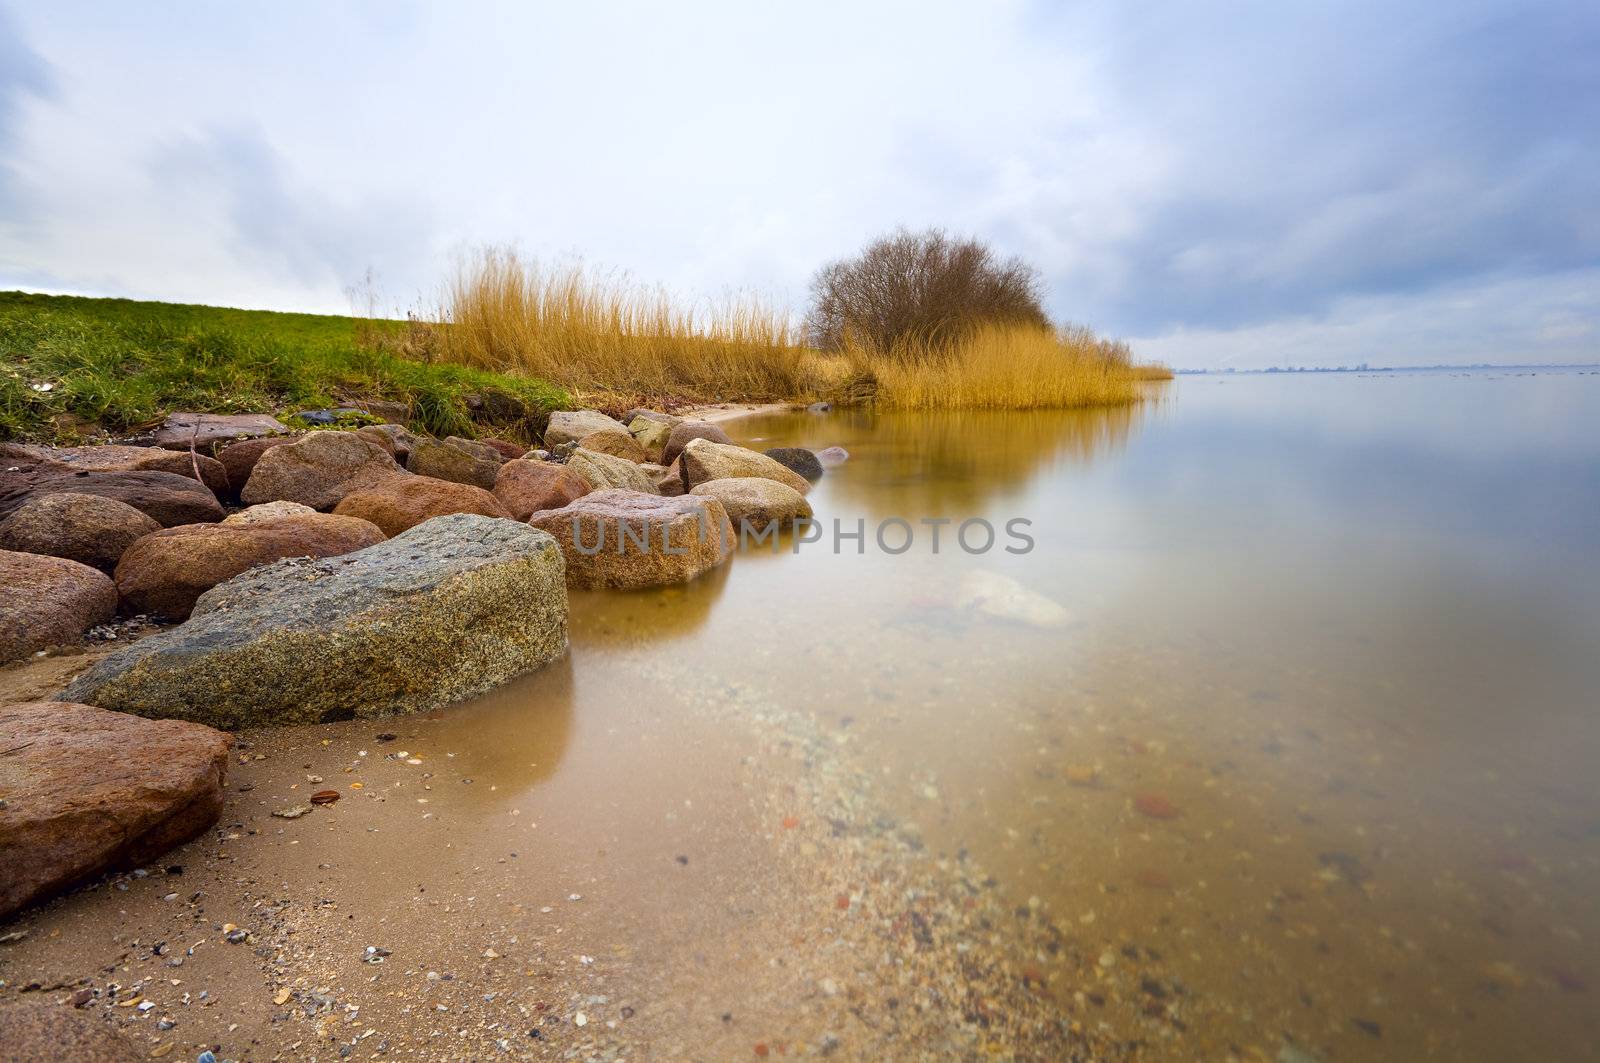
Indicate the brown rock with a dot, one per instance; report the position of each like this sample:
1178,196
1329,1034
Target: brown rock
446,461
704,460
239,459
524,487
628,539
121,459
477,448
686,431
318,470
39,1030
507,450
666,478
167,497
602,471
48,601
205,429
89,790
88,529
406,501
617,444
165,572
755,501
396,439
267,512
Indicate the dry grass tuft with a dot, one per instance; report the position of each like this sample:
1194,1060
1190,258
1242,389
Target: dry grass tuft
1010,368
606,336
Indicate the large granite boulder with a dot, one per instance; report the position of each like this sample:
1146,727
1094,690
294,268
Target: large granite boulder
755,501
403,502
318,470
202,430
652,434
569,426
617,444
603,471
39,1030
797,460
445,611
704,460
525,487
208,471
89,791
447,461
88,529
48,601
166,496
166,572
628,539
685,432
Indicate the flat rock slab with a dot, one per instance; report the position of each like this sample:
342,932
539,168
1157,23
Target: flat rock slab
165,496
89,791
629,539
47,601
446,611
204,429
207,470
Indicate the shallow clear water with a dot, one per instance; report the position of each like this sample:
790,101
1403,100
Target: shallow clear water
1339,633
1285,751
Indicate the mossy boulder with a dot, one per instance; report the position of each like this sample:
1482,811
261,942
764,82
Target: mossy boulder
446,611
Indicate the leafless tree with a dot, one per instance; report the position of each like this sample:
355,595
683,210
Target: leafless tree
920,288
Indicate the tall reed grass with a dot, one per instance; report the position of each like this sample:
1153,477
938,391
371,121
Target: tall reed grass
1011,368
604,335
618,343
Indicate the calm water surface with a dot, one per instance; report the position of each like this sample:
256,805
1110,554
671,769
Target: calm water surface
1341,633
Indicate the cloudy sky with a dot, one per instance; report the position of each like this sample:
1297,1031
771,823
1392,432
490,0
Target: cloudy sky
1242,184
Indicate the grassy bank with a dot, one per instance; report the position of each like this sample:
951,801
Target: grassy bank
68,364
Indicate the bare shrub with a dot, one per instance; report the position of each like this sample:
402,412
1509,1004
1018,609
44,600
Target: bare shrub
920,288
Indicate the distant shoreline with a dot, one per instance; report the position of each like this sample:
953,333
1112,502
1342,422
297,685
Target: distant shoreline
1280,371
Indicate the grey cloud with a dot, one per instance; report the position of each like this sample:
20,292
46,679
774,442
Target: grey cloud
22,73
1320,152
285,224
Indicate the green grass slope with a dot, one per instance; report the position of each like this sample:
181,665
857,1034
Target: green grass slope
70,365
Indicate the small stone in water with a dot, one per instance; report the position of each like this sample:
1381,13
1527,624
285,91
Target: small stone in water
1156,806
1108,959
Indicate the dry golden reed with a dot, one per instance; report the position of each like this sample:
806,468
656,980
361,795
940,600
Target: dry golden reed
608,339
598,335
1010,368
